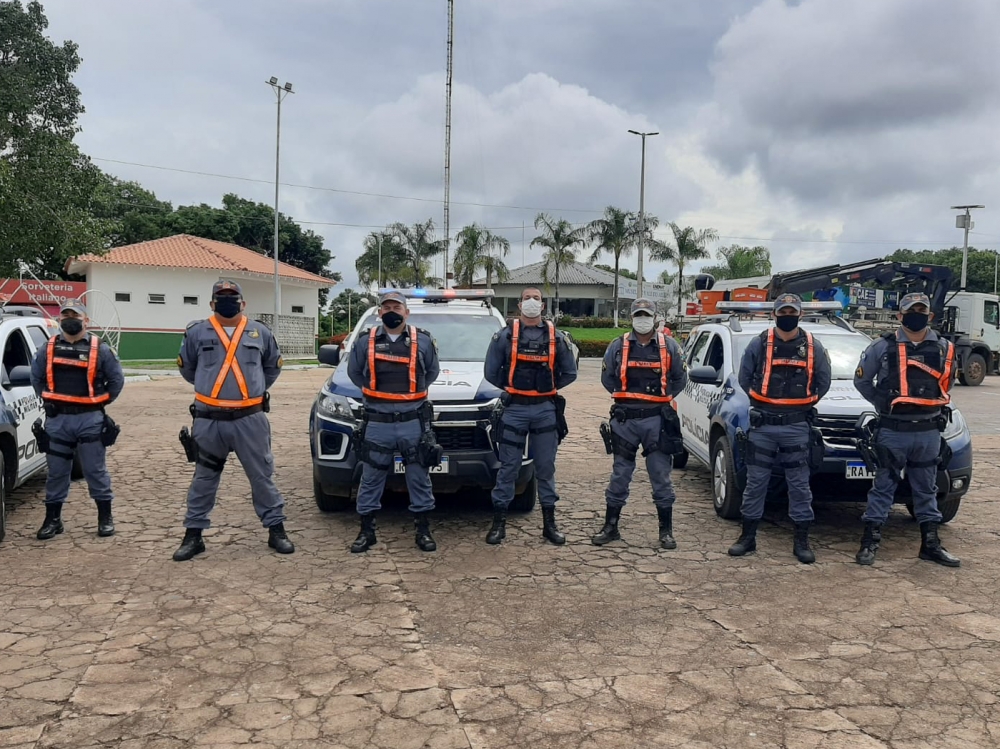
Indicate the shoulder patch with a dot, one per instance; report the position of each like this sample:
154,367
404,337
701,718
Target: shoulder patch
281,362
496,336
859,372
253,333
180,362
192,324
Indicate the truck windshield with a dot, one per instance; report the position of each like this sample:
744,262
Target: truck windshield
459,337
845,351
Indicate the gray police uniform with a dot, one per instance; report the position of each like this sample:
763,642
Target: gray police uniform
74,426
638,422
528,414
909,432
783,437
228,419
393,426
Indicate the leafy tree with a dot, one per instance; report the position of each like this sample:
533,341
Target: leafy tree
382,250
616,233
979,271
623,272
558,237
346,308
690,245
738,261
418,246
475,252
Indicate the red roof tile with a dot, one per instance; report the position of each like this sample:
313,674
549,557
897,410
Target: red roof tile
185,251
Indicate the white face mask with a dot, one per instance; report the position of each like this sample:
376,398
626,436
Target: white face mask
643,324
531,308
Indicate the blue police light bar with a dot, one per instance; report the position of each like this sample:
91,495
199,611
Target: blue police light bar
442,294
769,306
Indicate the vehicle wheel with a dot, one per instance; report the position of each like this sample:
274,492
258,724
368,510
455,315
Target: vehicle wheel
725,494
3,500
948,508
525,501
974,371
681,461
328,502
76,472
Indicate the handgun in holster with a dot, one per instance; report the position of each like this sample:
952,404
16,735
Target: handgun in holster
267,402
606,436
429,452
41,436
190,447
866,445
562,428
756,418
671,441
358,443
742,441
109,431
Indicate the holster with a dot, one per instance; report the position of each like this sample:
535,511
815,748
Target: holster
606,435
817,450
358,444
190,448
267,402
429,452
742,443
867,455
496,421
887,459
109,431
41,436
562,428
756,418
671,442
944,456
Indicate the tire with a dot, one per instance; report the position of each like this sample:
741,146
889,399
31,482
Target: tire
3,500
681,461
76,473
974,371
726,495
948,508
328,502
525,501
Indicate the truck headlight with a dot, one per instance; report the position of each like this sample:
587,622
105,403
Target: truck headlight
335,406
956,426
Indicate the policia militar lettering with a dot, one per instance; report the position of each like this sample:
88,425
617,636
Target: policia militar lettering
907,375
530,361
232,361
643,370
76,376
785,371
393,364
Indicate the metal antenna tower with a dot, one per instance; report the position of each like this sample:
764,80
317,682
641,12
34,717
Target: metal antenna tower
447,141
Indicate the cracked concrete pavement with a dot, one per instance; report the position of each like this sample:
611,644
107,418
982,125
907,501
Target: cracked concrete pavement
108,643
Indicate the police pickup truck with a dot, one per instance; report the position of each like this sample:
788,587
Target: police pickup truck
23,330
462,323
714,410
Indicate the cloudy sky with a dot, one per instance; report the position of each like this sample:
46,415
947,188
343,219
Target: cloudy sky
829,130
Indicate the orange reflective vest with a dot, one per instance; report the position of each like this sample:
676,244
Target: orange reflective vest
519,356
89,363
413,393
229,364
942,378
663,365
784,367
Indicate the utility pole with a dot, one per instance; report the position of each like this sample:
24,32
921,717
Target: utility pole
447,140
642,197
281,92
964,221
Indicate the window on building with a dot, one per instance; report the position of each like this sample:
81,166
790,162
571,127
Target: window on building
157,298
298,309
38,336
123,296
191,300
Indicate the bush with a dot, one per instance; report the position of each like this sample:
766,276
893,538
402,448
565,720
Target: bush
565,321
592,348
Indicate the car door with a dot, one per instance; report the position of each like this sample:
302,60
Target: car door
22,401
690,404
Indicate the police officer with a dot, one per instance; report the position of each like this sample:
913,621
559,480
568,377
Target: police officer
785,371
77,376
643,370
394,364
907,375
232,361
531,361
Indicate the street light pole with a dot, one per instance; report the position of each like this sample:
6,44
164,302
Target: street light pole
642,206
280,92
965,222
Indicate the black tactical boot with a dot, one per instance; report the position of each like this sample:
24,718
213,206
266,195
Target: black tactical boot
800,546
666,516
53,522
549,528
609,531
747,541
870,540
498,531
105,523
931,548
366,537
277,539
191,545
422,525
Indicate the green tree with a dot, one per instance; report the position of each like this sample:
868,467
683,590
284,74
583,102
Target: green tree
980,271
738,261
480,249
690,246
382,251
558,237
623,272
346,309
616,233
418,246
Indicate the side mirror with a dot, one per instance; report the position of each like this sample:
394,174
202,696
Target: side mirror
20,377
705,376
329,354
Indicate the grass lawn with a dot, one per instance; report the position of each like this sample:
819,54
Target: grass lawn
602,335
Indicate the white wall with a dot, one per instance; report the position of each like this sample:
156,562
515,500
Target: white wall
175,284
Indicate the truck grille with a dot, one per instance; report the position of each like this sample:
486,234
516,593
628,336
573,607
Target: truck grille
837,430
461,438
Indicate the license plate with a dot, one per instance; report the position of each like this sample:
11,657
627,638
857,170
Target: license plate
858,471
442,468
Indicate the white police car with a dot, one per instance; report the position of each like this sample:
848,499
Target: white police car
713,407
462,323
23,330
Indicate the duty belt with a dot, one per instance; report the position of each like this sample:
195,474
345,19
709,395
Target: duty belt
393,417
230,414
622,413
58,409
904,425
528,400
770,418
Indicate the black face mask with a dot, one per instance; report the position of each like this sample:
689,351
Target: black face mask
787,323
392,320
915,321
71,325
228,305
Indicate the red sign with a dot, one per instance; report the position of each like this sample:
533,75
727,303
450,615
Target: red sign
45,293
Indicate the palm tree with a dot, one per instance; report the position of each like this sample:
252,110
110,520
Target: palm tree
617,233
738,261
690,246
418,247
558,237
475,251
381,251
